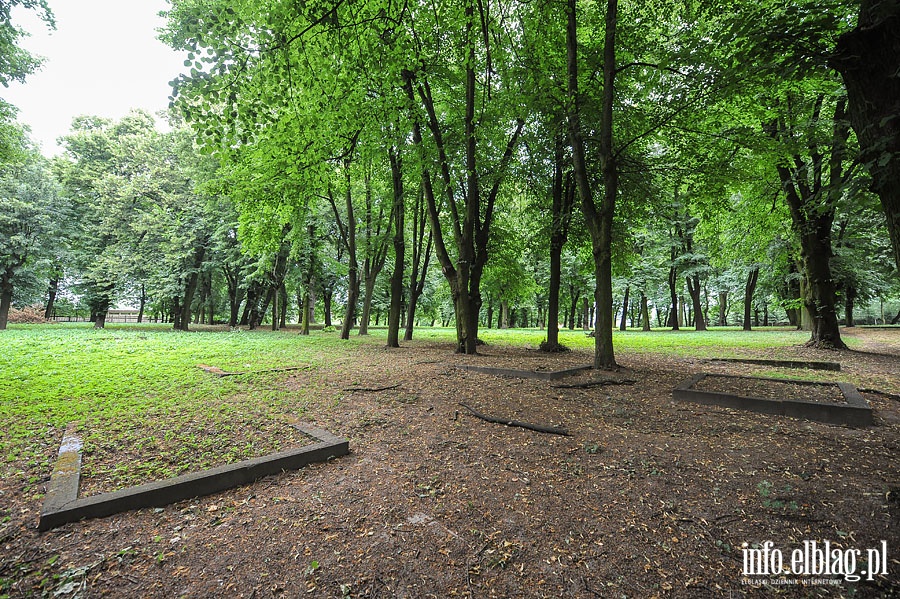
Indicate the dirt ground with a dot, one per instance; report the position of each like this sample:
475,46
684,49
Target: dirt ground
644,498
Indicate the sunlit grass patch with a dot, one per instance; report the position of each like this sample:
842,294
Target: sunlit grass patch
121,382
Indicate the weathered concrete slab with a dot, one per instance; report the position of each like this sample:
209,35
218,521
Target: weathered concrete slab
856,412
68,508
549,375
810,365
66,475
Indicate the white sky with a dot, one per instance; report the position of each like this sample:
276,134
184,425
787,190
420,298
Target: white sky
103,59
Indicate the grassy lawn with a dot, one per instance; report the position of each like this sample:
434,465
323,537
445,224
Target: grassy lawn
718,341
137,388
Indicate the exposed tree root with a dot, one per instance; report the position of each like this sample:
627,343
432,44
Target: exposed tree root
555,348
552,430
599,383
371,389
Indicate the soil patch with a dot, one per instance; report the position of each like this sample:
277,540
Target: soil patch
771,389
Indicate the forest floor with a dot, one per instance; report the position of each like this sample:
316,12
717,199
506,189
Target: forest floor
644,498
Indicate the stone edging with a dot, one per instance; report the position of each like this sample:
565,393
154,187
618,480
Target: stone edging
62,505
856,412
782,363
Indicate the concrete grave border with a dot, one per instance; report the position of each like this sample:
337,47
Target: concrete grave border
782,363
856,412
62,505
550,375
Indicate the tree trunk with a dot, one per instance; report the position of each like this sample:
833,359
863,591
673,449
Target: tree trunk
849,300
673,295
622,323
234,296
749,290
210,300
599,220
52,290
574,295
327,294
6,291
563,201
366,316
471,225
693,285
376,255
140,317
812,215
398,210
723,308
352,301
304,318
190,288
867,58
420,259
645,313
282,306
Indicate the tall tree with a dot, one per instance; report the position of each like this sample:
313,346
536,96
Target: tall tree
867,58
599,218
813,177
471,196
31,221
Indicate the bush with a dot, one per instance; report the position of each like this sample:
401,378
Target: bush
27,315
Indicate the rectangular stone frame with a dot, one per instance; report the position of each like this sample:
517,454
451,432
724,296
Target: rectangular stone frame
856,412
62,505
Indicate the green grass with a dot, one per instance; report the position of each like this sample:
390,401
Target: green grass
719,341
139,387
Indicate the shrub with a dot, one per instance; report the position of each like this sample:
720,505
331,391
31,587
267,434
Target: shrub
27,315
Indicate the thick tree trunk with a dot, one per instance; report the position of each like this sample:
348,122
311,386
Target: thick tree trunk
52,290
723,308
304,326
812,214
6,291
821,292
599,220
867,58
645,313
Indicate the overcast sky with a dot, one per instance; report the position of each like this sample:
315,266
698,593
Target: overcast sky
102,59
